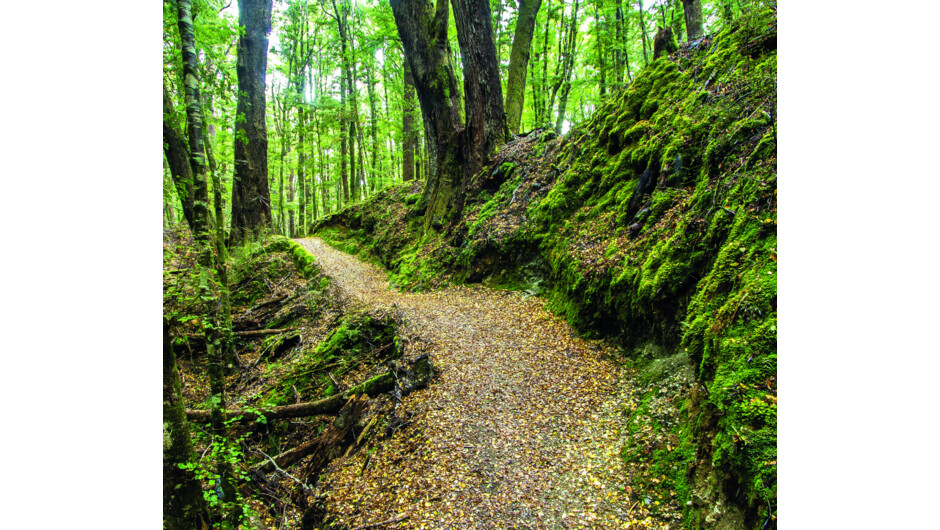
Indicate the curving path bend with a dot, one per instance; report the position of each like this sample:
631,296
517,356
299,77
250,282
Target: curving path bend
520,430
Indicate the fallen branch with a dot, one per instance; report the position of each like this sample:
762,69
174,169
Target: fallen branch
373,387
249,333
265,304
334,435
404,377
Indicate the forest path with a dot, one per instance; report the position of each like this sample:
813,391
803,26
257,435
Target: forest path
520,430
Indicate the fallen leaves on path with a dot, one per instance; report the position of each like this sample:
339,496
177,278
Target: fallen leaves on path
521,430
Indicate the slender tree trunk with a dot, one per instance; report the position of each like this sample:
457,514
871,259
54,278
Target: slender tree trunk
218,341
600,47
544,109
221,253
693,18
301,183
280,126
177,157
560,67
194,125
620,36
347,89
169,210
519,61
571,50
183,504
217,201
251,200
363,183
322,176
373,126
355,148
407,127
343,138
643,34
316,154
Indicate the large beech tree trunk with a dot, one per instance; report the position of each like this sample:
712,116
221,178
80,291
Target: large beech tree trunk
458,152
486,119
251,199
422,28
519,62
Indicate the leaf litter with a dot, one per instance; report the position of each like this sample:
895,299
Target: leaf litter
522,429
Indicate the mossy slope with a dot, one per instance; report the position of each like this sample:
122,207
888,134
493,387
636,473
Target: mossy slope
654,222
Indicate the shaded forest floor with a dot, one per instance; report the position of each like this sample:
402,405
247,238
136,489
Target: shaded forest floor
523,428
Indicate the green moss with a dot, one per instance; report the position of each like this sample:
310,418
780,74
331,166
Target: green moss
357,339
691,266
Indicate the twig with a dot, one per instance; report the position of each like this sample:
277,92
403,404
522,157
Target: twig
388,521
285,473
632,507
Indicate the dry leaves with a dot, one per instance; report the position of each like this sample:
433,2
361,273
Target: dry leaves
521,429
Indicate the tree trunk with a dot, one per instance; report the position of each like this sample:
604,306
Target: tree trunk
373,129
423,32
486,128
408,131
519,62
183,505
301,183
251,200
542,108
620,52
344,179
693,18
218,334
169,209
600,33
570,52
177,157
643,34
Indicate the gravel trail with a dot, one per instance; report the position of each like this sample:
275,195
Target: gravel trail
521,429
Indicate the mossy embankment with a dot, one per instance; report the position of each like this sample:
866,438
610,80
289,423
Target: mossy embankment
297,340
652,224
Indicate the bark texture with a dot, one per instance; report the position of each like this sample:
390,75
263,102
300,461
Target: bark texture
486,127
408,127
519,62
197,157
177,157
183,505
251,200
422,28
693,18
